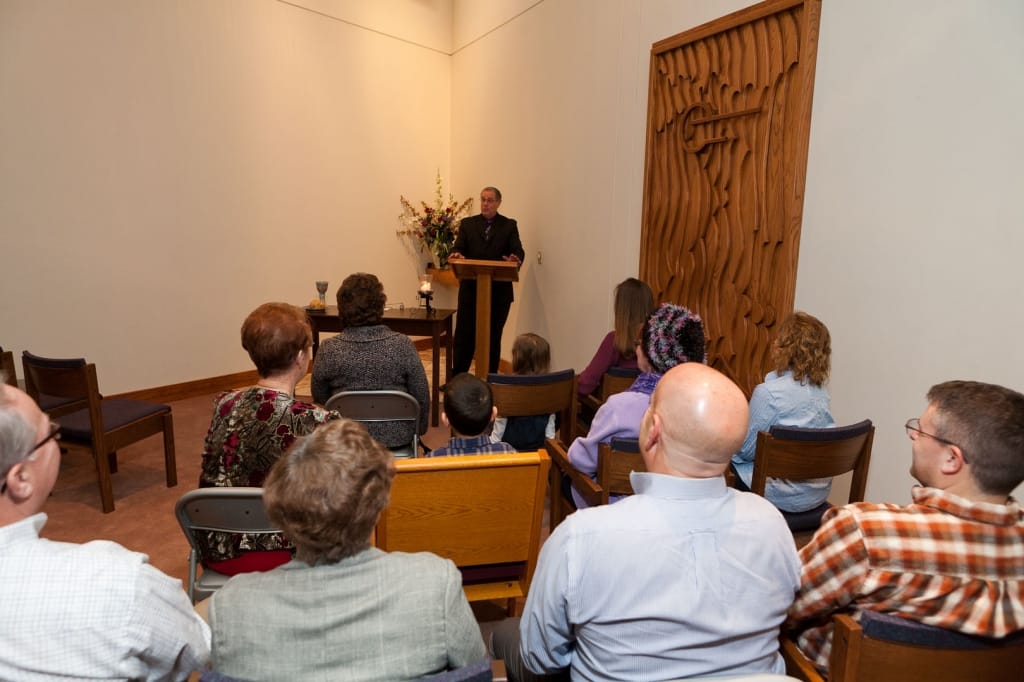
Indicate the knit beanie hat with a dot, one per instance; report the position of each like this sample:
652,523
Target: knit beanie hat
671,336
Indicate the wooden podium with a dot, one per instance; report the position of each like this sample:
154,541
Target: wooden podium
484,272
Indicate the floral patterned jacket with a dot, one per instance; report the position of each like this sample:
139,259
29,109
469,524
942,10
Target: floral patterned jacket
250,429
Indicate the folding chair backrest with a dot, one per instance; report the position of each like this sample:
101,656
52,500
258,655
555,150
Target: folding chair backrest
522,395
379,406
225,510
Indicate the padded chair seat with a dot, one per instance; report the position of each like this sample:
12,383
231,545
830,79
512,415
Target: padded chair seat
897,629
116,413
489,573
68,389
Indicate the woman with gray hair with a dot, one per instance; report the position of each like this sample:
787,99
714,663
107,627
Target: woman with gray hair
368,356
341,606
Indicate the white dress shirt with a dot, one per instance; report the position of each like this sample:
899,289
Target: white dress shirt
91,611
685,578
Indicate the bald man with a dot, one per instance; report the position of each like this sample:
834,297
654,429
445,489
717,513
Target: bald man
687,577
95,611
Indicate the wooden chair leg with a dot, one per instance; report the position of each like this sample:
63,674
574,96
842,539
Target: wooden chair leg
112,462
103,475
170,463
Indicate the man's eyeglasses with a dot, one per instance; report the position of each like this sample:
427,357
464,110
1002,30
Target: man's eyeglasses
913,426
54,434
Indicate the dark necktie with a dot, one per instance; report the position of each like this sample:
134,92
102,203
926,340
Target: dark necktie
487,231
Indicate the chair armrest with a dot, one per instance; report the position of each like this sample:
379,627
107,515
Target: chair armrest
591,401
797,665
585,485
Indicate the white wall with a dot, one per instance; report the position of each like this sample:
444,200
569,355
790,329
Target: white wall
211,155
167,166
910,228
911,237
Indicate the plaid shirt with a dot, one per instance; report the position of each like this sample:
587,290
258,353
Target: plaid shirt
943,561
477,445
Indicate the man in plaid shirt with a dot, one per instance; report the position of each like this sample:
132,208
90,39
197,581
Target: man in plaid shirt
955,557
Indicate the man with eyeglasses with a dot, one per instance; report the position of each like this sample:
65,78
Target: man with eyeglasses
487,236
94,610
955,557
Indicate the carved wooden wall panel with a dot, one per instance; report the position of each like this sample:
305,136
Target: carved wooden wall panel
727,127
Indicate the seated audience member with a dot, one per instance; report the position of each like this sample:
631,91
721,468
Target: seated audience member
342,609
671,336
72,611
368,356
793,394
251,427
469,411
687,577
531,355
955,557
634,303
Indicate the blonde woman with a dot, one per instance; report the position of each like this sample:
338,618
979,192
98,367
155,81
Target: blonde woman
793,394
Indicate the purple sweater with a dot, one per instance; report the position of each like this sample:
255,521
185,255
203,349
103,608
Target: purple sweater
604,359
618,417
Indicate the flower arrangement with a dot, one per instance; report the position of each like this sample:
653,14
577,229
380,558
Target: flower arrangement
434,228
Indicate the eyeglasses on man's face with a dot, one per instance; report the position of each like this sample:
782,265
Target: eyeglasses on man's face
913,427
54,435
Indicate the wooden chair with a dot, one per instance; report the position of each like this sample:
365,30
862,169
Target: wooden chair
615,380
67,389
517,395
801,454
7,366
615,461
885,648
484,512
380,406
224,510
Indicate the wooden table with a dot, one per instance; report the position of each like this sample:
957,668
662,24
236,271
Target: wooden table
412,322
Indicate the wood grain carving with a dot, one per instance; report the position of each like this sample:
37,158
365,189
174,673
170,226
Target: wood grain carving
728,120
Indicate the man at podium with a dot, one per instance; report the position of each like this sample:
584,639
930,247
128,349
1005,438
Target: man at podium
488,236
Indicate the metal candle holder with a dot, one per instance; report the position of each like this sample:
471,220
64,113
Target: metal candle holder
426,292
427,297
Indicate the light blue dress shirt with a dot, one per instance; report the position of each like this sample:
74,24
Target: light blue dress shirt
784,401
687,577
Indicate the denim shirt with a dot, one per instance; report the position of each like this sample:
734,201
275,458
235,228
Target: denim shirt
784,401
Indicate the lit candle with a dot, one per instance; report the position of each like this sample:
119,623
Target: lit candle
425,287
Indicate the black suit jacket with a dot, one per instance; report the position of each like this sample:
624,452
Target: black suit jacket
503,241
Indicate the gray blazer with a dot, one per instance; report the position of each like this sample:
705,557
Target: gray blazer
374,616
